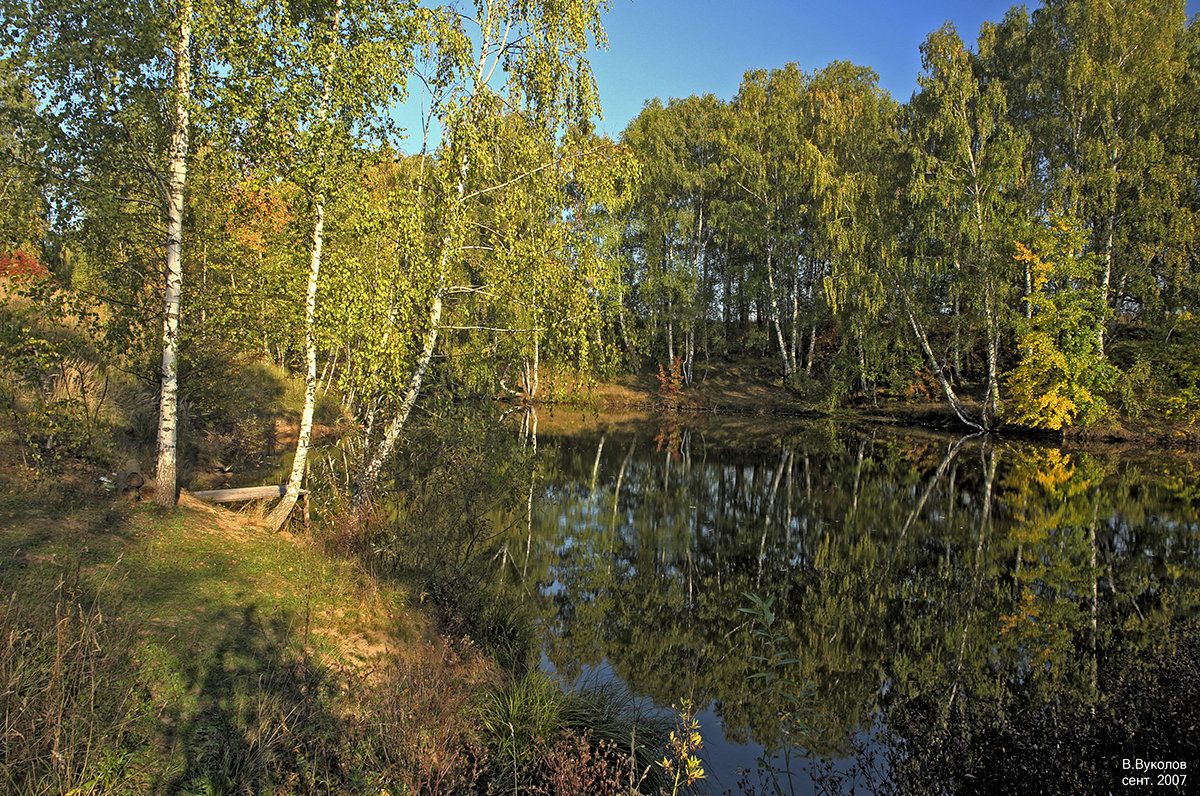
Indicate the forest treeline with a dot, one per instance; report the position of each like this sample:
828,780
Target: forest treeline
193,187
1019,238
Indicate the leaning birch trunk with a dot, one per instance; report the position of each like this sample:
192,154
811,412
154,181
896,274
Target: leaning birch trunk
366,483
955,403
168,407
282,509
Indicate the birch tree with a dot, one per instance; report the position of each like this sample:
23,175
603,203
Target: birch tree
328,73
538,51
177,155
965,157
850,132
114,84
1111,71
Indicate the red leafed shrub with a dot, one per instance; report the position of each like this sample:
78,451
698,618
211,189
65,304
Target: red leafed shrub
671,382
20,266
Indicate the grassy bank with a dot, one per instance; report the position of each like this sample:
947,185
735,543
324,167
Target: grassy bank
195,652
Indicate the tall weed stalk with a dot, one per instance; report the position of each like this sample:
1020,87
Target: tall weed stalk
71,712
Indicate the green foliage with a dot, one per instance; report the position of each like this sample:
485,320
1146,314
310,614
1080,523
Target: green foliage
454,475
1062,373
53,382
520,719
1160,371
773,663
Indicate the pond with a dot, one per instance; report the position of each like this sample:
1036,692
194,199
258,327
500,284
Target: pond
932,609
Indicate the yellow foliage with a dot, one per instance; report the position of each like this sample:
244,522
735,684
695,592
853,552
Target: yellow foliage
1041,396
1053,385
681,761
1055,469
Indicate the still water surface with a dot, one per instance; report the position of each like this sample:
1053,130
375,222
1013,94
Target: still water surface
916,581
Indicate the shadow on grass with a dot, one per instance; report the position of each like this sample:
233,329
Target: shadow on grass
265,720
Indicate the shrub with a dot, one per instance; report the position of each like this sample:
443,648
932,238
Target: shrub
533,726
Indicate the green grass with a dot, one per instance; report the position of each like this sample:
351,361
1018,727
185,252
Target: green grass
193,651
187,651
534,720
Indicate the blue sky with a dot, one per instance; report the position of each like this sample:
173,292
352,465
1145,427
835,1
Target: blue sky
675,48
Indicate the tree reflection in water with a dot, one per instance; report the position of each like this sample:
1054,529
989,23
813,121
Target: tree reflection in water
993,609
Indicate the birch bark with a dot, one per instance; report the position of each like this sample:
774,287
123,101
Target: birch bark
168,407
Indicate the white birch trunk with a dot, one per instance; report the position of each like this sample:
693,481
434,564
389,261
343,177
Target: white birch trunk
282,509
670,334
955,403
168,407
812,349
787,366
795,342
991,402
691,354
366,483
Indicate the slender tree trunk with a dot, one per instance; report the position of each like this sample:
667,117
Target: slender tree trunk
935,366
1111,225
282,509
168,408
812,350
670,333
743,299
366,482
620,479
795,347
295,480
957,337
596,464
531,371
862,362
770,515
533,421
726,298
991,402
1106,280
629,352
787,366
699,300
989,471
332,372
691,353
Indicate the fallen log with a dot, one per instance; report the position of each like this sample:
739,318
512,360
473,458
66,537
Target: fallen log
243,493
